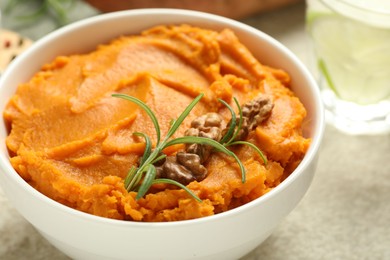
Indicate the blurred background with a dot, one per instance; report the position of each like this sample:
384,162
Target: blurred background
345,214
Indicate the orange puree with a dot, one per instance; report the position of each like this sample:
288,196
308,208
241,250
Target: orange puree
73,142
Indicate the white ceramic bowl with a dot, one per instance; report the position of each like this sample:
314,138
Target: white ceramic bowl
228,235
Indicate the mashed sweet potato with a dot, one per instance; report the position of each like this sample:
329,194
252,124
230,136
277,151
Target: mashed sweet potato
72,141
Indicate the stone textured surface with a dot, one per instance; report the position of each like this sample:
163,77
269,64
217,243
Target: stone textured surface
344,215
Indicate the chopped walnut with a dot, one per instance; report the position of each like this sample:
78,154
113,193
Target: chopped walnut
173,170
257,110
183,168
188,166
254,113
208,125
192,162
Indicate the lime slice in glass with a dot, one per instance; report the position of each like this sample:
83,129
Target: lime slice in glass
353,56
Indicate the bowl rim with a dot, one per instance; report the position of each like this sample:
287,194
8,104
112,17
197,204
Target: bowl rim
309,156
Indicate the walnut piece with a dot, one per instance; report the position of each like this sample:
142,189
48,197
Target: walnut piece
254,113
188,166
208,125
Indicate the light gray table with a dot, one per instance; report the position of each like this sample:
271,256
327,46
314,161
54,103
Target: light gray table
344,215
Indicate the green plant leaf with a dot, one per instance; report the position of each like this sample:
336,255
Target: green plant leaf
148,146
198,140
146,108
129,177
232,126
147,182
136,179
239,122
59,11
253,147
183,115
159,158
155,153
242,169
169,181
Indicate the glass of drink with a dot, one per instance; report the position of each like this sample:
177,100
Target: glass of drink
351,46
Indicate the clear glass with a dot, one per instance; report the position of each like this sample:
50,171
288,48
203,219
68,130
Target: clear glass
351,46
1,40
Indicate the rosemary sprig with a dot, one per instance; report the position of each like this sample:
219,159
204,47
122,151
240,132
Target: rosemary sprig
229,138
56,8
141,178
